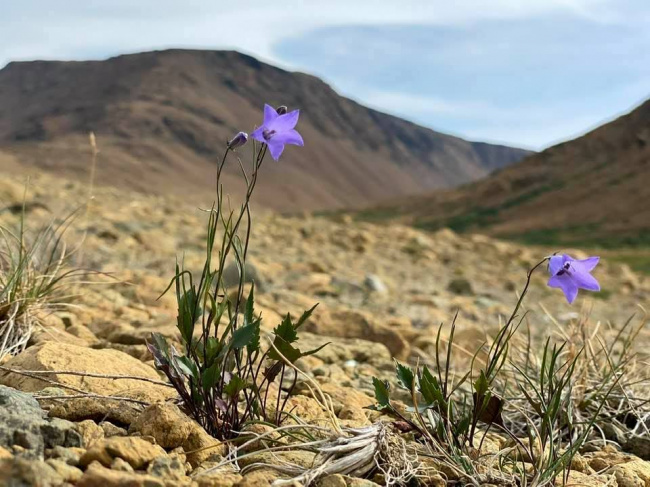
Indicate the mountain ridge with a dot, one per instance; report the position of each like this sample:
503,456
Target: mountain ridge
591,190
162,118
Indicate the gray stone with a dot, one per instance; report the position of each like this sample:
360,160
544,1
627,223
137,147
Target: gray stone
231,276
639,446
374,284
168,467
461,286
23,423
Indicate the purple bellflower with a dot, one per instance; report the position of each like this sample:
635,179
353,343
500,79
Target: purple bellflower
570,274
238,140
278,130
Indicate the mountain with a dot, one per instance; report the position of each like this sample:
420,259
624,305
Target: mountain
162,118
592,190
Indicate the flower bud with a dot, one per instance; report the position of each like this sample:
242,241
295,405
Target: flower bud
282,109
238,140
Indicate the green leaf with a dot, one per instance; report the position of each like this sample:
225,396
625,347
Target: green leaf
249,319
211,376
242,336
285,348
430,390
405,376
286,330
315,350
250,303
481,385
382,394
234,387
188,313
305,316
212,349
188,367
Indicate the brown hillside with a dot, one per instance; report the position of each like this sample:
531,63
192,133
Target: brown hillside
592,189
162,119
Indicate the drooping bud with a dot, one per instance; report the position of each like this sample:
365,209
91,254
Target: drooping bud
238,140
282,109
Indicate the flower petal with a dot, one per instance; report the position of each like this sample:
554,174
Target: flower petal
556,262
275,148
258,133
285,122
566,284
584,280
289,137
589,263
269,114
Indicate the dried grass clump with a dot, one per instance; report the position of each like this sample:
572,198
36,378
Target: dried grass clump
35,279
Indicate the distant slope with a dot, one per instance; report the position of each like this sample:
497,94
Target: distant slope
162,118
594,189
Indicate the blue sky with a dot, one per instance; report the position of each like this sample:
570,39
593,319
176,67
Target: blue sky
522,72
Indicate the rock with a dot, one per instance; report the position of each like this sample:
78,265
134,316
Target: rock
23,424
639,446
374,284
90,431
70,456
21,472
222,477
346,397
344,323
354,417
135,451
460,286
361,351
50,334
67,472
83,333
167,468
118,412
97,475
111,430
583,480
171,429
62,356
231,276
166,423
200,446
632,474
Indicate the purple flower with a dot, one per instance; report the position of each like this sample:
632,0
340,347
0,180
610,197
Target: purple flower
570,275
238,140
278,130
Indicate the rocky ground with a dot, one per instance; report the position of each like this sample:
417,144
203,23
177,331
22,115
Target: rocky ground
383,292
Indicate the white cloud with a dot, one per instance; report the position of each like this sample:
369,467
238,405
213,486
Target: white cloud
33,29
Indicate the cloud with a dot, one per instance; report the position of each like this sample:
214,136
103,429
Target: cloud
502,69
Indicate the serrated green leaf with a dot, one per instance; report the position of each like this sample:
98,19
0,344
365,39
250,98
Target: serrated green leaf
285,348
234,387
211,376
405,376
431,391
382,394
305,316
242,336
285,330
315,350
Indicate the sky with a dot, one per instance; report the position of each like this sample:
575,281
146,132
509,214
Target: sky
527,73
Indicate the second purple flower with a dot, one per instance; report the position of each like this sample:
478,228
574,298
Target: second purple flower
278,130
